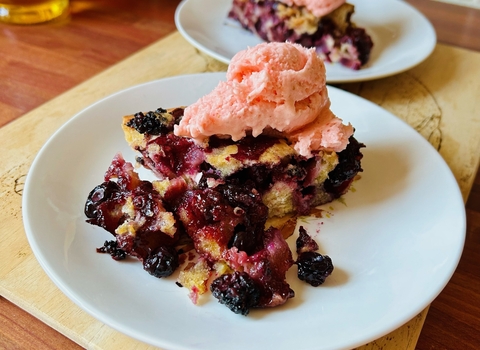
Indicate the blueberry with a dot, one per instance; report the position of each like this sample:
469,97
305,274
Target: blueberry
98,195
162,263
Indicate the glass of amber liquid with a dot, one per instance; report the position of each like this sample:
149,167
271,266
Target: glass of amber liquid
31,11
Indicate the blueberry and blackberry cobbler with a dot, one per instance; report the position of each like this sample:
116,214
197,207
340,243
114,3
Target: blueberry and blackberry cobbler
217,200
233,170
335,37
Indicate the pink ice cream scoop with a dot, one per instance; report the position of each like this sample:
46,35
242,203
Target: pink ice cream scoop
318,7
270,88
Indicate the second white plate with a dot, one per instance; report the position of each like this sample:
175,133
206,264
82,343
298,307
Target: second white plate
402,36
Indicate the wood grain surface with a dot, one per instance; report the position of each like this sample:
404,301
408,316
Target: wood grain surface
38,63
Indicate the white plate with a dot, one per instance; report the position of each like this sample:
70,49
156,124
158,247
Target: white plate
402,36
395,241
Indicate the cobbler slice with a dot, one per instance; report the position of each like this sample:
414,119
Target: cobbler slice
335,37
217,200
262,145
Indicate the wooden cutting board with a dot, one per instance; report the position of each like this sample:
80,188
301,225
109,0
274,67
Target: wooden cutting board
439,98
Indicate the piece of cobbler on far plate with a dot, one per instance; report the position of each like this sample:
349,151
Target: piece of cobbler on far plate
325,25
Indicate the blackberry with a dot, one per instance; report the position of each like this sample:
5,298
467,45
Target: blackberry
314,268
152,123
245,196
111,247
349,164
162,263
237,291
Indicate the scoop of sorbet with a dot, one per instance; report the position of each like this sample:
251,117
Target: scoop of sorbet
271,88
318,7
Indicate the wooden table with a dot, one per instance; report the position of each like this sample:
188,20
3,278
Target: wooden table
40,63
